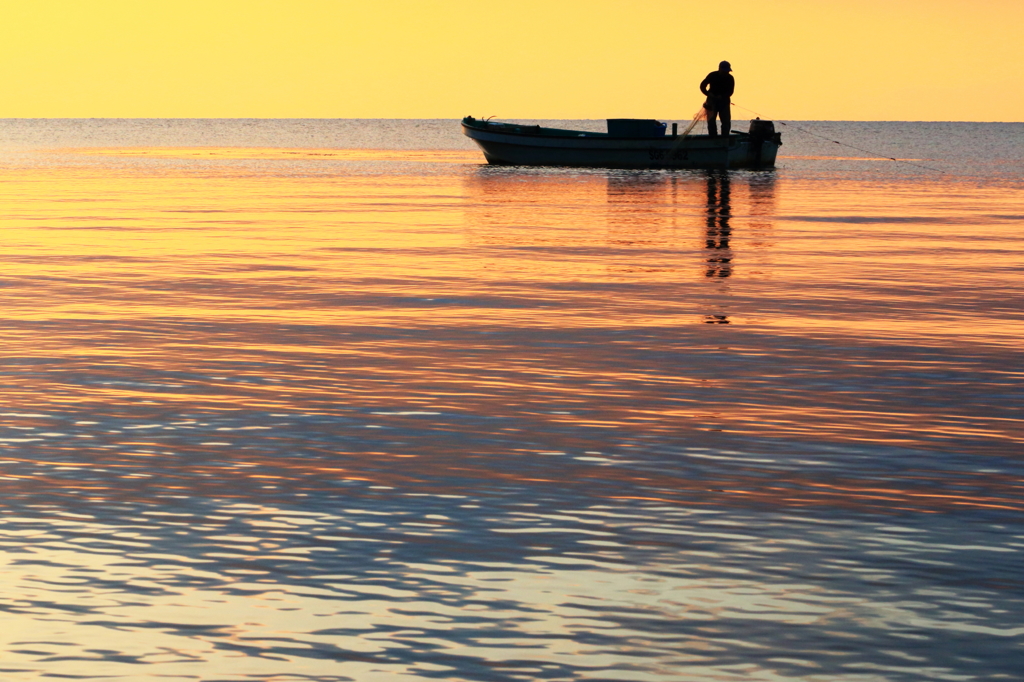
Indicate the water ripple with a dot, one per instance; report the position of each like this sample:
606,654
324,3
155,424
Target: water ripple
277,414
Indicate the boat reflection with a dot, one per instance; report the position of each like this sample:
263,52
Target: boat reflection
642,214
667,222
762,199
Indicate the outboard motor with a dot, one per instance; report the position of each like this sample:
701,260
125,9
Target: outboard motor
760,132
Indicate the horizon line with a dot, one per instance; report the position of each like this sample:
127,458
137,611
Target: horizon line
435,118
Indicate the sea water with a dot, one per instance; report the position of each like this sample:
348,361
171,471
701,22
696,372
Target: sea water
334,400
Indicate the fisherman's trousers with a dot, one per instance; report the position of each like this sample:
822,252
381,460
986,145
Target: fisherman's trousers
718,107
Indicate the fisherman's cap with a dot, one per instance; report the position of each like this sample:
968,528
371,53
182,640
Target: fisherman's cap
724,65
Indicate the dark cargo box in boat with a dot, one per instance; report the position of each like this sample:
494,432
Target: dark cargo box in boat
635,127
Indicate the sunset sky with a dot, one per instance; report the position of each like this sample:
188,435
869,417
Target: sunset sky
793,59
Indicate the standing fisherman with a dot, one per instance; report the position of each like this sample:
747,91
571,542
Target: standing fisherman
718,86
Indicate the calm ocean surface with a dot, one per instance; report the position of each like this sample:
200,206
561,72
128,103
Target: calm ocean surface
331,400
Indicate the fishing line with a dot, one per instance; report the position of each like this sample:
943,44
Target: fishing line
843,144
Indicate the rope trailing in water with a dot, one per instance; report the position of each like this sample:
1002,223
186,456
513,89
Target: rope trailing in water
843,144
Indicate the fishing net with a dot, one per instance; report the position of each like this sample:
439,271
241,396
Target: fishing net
701,115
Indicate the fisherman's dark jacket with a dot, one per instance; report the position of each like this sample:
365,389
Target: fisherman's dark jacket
720,84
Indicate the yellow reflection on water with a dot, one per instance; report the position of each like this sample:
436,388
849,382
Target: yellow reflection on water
279,154
276,413
128,259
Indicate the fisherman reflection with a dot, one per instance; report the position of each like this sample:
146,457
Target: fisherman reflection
719,260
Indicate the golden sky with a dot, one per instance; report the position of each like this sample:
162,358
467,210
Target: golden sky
793,59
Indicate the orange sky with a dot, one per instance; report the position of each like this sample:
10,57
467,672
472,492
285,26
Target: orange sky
794,59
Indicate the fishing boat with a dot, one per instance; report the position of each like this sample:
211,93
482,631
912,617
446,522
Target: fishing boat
629,143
